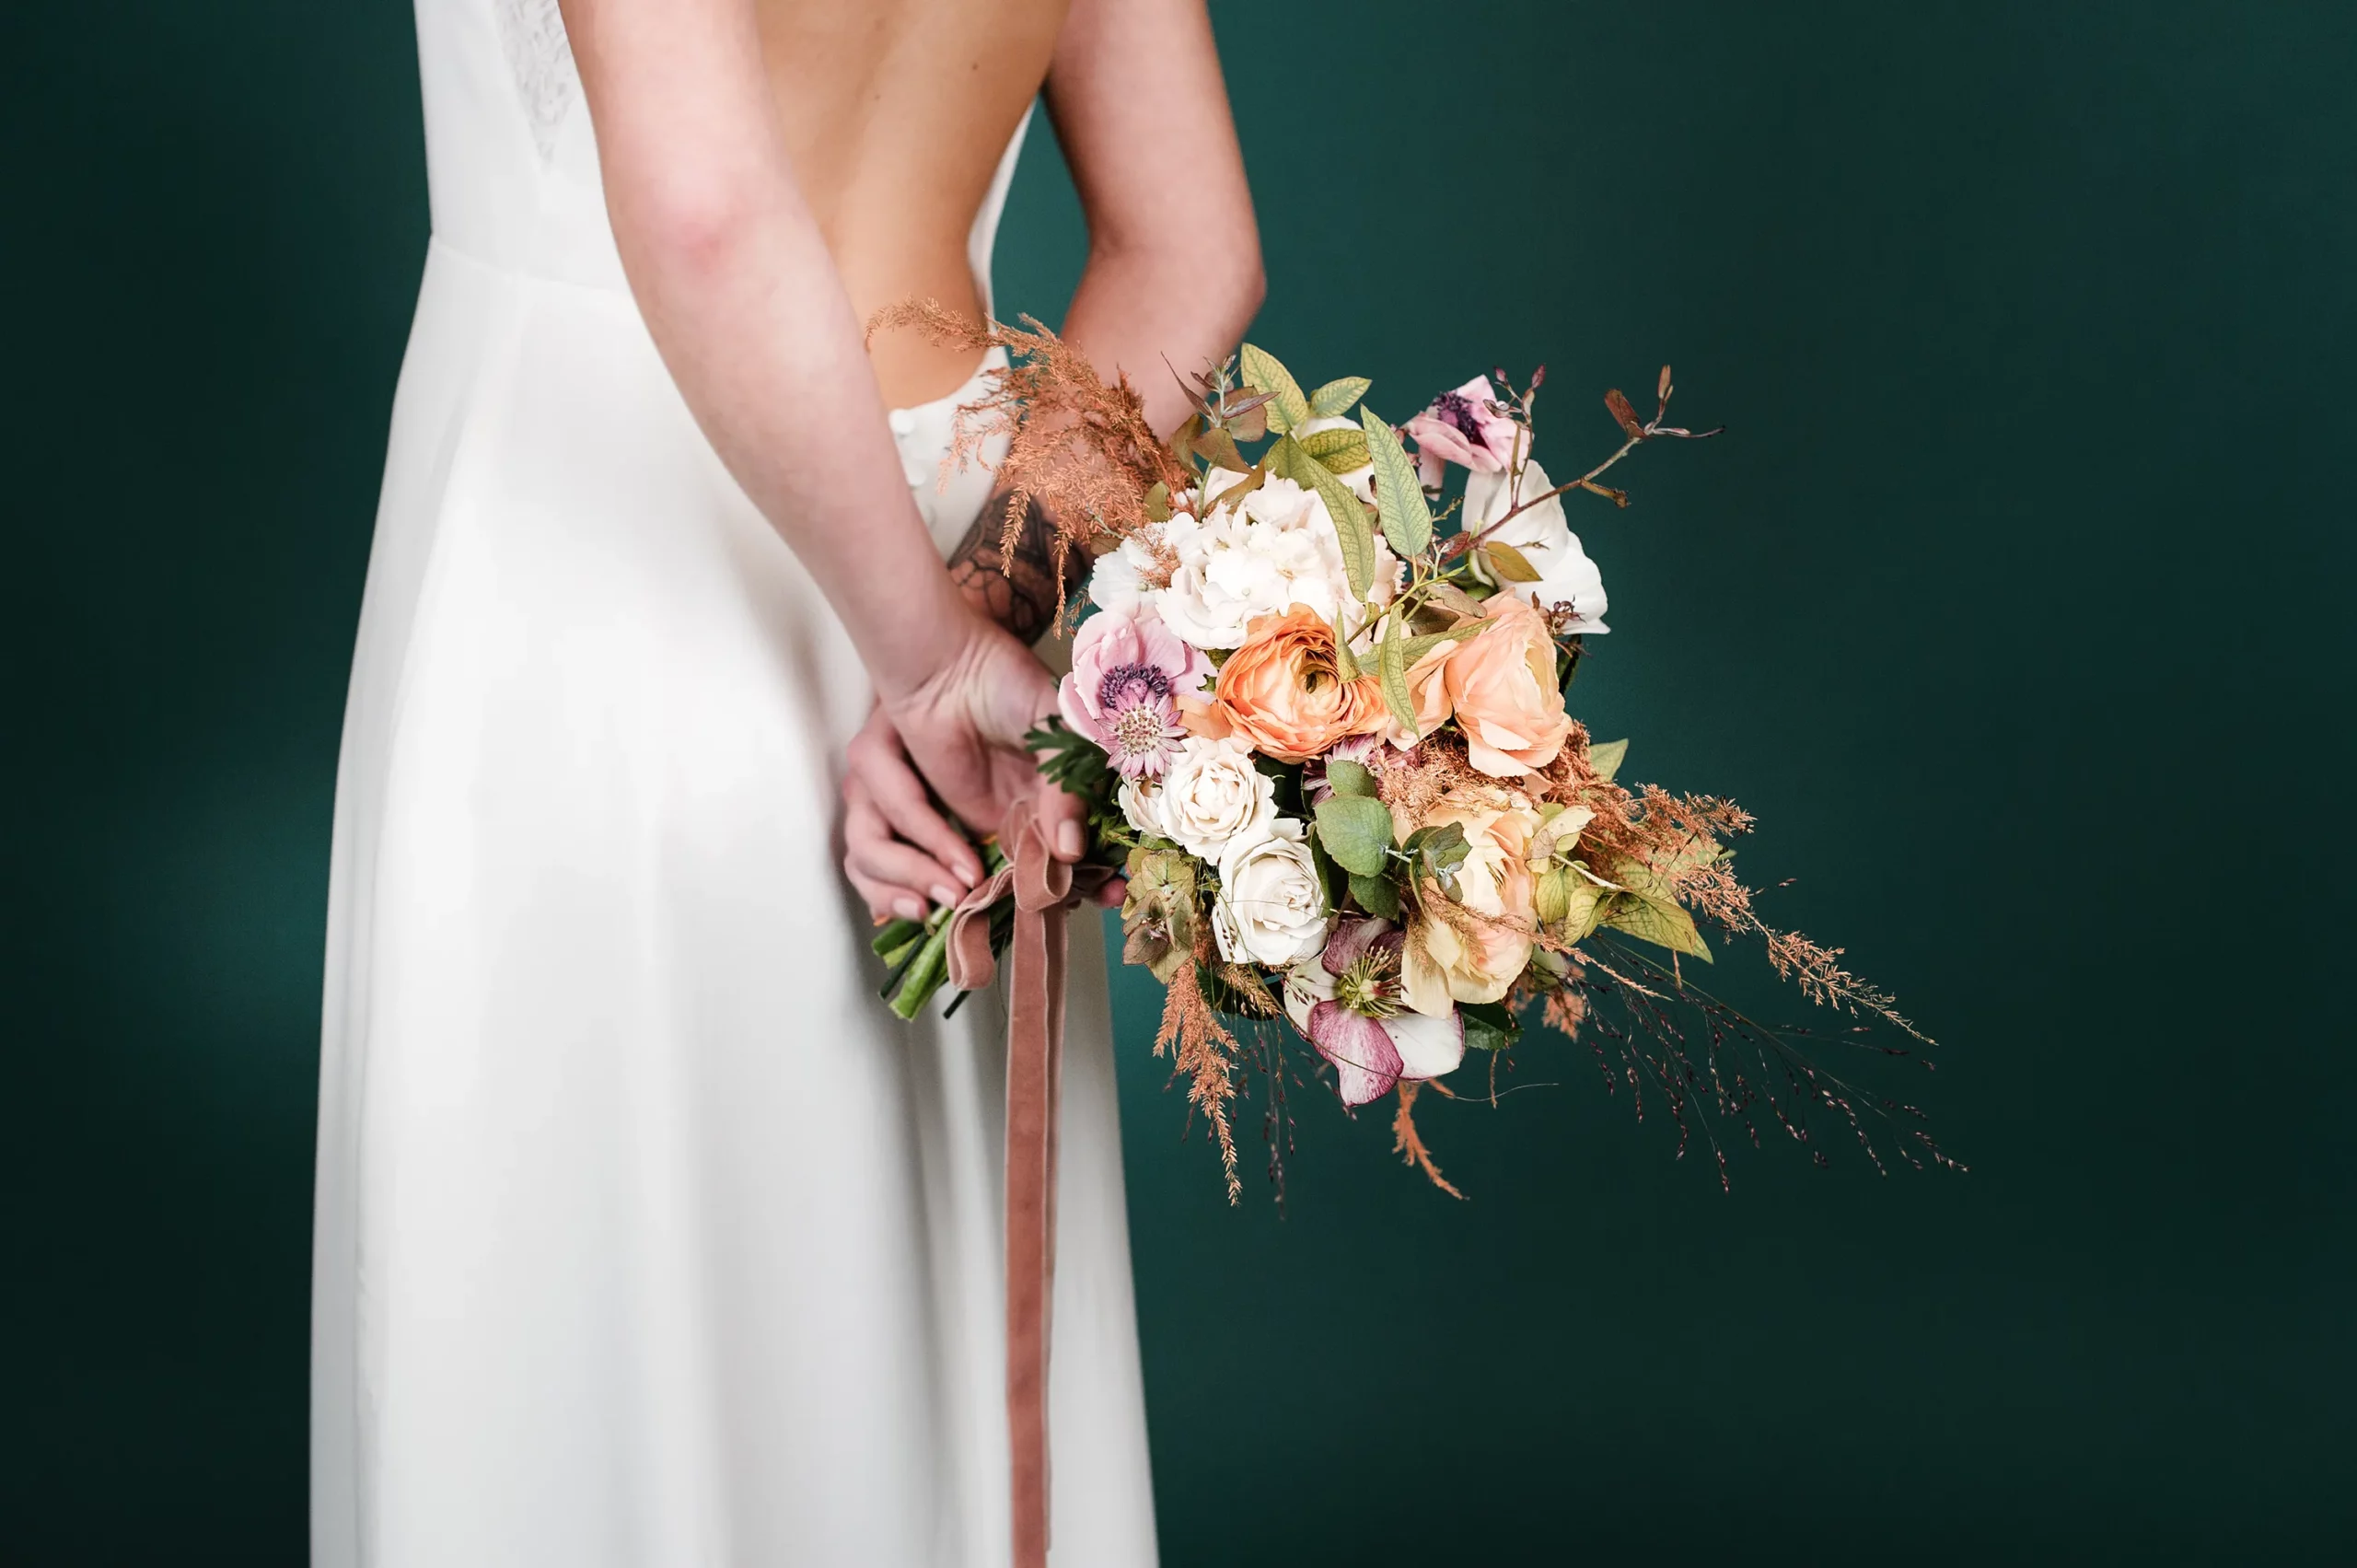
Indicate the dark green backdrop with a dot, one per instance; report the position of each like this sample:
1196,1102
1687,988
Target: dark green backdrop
2015,603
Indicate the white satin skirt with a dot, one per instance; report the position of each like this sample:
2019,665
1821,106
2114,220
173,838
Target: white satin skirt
645,1234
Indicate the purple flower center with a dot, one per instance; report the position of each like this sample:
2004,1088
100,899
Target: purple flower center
1457,410
1127,685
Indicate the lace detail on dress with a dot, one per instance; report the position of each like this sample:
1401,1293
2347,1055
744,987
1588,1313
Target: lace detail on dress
540,57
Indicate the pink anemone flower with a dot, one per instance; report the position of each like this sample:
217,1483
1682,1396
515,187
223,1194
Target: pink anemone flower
1460,428
1128,672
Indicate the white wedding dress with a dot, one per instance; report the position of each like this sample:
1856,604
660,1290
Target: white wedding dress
645,1234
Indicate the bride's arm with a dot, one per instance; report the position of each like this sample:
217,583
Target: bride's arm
1174,255
742,298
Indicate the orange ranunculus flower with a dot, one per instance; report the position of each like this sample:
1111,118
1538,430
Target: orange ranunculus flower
1281,693
1503,686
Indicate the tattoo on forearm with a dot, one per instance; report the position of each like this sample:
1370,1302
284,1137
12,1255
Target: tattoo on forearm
1017,588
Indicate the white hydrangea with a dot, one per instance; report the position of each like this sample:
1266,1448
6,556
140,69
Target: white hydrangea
1275,551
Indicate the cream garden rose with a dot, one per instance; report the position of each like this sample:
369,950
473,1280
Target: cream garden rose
1442,964
1271,909
1211,797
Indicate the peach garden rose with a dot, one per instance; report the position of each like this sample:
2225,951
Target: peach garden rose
1503,686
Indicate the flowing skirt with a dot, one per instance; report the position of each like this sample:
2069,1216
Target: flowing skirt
646,1234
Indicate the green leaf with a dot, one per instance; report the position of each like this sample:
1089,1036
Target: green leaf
1157,503
1663,924
1350,517
1552,897
1407,520
1375,895
1505,561
1346,663
1606,759
1356,831
1342,451
1348,777
1395,675
1488,1026
1333,399
1219,446
1287,408
1416,648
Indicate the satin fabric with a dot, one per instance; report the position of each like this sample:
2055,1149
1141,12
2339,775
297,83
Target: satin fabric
646,1234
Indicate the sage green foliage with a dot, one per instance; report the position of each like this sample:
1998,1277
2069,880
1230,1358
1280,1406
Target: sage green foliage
1356,831
1406,519
1350,525
1333,399
1288,410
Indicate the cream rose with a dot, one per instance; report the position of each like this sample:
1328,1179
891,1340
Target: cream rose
1271,909
1442,964
1211,796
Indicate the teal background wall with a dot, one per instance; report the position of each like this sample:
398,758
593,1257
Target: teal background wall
2015,602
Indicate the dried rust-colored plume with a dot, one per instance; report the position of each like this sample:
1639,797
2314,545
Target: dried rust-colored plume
1406,1142
1204,1052
1082,450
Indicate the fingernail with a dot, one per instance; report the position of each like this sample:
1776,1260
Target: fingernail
970,875
1068,840
908,909
946,896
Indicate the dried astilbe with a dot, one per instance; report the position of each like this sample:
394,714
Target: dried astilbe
1082,450
1408,1145
1204,1052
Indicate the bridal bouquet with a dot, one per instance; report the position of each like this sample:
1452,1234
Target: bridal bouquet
1319,716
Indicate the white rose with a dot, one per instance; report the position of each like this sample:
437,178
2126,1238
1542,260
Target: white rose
1565,574
1271,909
1273,550
1141,799
1211,796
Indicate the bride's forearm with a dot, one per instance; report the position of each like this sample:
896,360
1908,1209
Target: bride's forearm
742,298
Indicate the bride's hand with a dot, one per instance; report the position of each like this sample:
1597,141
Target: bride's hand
963,729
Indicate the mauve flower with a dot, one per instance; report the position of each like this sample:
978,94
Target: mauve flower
1347,1003
1128,672
1459,428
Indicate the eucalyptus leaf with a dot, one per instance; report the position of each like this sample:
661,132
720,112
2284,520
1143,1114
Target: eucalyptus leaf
1377,896
1508,562
1346,663
1333,399
1663,924
1347,777
1406,519
1350,517
1356,831
1287,406
1340,450
1606,759
1395,676
1416,648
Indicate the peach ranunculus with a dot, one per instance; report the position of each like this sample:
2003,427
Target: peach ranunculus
1503,686
1281,690
1443,964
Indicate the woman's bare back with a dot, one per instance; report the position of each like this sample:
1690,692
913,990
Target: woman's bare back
895,115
